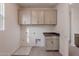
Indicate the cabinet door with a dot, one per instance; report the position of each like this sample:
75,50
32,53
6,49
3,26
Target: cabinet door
50,16
34,17
40,17
25,17
49,44
52,44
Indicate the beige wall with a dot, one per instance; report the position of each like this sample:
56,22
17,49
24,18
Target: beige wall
9,38
74,51
23,35
74,23
63,27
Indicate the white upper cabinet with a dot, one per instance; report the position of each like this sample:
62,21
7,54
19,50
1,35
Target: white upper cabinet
50,16
25,17
38,16
34,17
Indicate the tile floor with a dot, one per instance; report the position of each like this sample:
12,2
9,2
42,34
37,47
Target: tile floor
39,51
34,51
22,51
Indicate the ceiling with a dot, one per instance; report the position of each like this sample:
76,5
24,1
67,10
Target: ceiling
38,5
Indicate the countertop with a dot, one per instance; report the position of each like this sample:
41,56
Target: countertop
51,34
